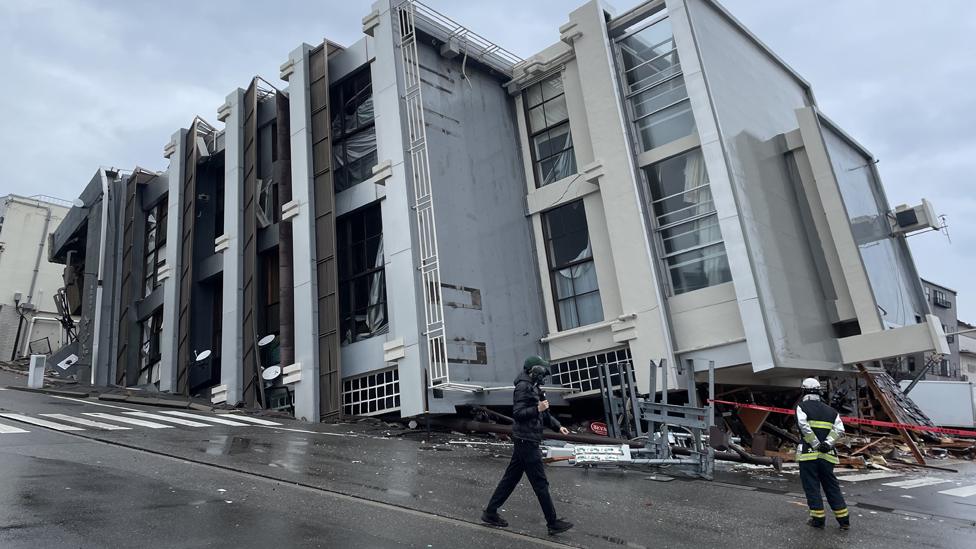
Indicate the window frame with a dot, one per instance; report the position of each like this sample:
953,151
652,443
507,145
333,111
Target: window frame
554,269
345,247
150,277
526,108
658,229
339,140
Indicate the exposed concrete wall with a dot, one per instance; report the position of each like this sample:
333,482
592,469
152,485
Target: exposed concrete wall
489,283
231,371
167,346
754,100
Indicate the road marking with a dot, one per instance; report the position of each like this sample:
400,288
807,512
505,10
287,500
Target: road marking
87,422
42,422
93,403
175,420
961,492
129,420
253,420
868,476
5,429
220,420
917,482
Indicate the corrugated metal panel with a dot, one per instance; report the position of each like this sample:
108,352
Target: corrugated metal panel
330,377
187,225
249,243
130,277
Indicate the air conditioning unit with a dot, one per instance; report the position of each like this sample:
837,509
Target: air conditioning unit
911,219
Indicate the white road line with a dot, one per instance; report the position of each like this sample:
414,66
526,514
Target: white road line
917,482
6,429
220,420
961,492
868,476
175,420
93,403
87,422
253,420
42,422
128,420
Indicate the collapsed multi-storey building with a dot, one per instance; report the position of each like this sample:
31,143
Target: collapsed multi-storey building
412,215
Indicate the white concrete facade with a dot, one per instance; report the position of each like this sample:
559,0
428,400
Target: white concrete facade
25,224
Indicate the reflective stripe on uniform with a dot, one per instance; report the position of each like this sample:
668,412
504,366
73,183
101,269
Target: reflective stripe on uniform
820,424
818,513
841,513
810,456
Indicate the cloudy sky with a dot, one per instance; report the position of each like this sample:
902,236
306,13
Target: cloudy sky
99,82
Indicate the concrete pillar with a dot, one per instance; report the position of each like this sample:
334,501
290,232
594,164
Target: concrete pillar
171,283
231,246
303,242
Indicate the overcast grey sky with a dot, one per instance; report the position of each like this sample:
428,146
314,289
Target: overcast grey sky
89,83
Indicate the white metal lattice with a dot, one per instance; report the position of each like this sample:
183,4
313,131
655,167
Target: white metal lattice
437,367
371,394
582,374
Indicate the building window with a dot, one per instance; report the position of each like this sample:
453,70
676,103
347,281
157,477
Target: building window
689,237
583,374
149,354
362,278
572,272
155,247
949,338
353,130
656,91
548,121
371,394
941,299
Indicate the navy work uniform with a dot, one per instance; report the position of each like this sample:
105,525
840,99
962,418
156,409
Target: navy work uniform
820,426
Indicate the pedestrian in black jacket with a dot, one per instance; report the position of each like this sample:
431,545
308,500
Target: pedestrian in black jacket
530,411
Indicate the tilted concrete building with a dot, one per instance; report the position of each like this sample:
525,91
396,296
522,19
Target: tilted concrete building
413,214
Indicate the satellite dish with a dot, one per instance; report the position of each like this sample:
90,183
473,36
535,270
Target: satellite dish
266,340
78,203
204,355
271,373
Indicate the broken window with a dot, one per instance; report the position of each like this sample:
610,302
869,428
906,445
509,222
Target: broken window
362,277
571,267
353,130
659,102
689,237
548,121
149,353
155,247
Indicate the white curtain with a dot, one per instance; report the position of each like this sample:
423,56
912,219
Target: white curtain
376,316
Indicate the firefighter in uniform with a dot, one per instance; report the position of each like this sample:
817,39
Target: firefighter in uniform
821,426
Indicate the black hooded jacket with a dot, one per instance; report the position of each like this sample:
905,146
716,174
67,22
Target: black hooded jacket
528,421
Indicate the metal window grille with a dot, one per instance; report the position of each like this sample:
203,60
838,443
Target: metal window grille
371,394
582,374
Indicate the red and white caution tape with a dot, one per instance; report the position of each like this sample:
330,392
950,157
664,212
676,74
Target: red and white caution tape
856,420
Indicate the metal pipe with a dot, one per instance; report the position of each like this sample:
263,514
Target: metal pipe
103,237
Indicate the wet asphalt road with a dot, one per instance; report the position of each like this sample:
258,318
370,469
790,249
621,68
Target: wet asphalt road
296,485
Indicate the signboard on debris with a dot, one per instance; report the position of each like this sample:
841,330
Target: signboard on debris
599,428
594,455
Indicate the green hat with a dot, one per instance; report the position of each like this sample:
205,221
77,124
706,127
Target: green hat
534,360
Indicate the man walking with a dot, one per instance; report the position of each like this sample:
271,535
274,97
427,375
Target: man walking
530,411
821,426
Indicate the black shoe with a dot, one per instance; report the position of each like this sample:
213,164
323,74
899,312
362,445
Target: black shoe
493,519
845,523
817,523
559,526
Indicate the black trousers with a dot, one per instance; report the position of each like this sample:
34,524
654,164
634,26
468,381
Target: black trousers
818,473
526,458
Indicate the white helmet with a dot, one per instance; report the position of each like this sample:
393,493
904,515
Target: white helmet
811,384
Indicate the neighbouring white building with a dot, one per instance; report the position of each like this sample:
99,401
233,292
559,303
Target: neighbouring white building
28,283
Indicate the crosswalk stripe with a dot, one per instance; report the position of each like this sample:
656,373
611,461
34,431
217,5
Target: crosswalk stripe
868,476
87,422
7,429
128,420
213,419
42,422
961,492
175,420
917,482
253,420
